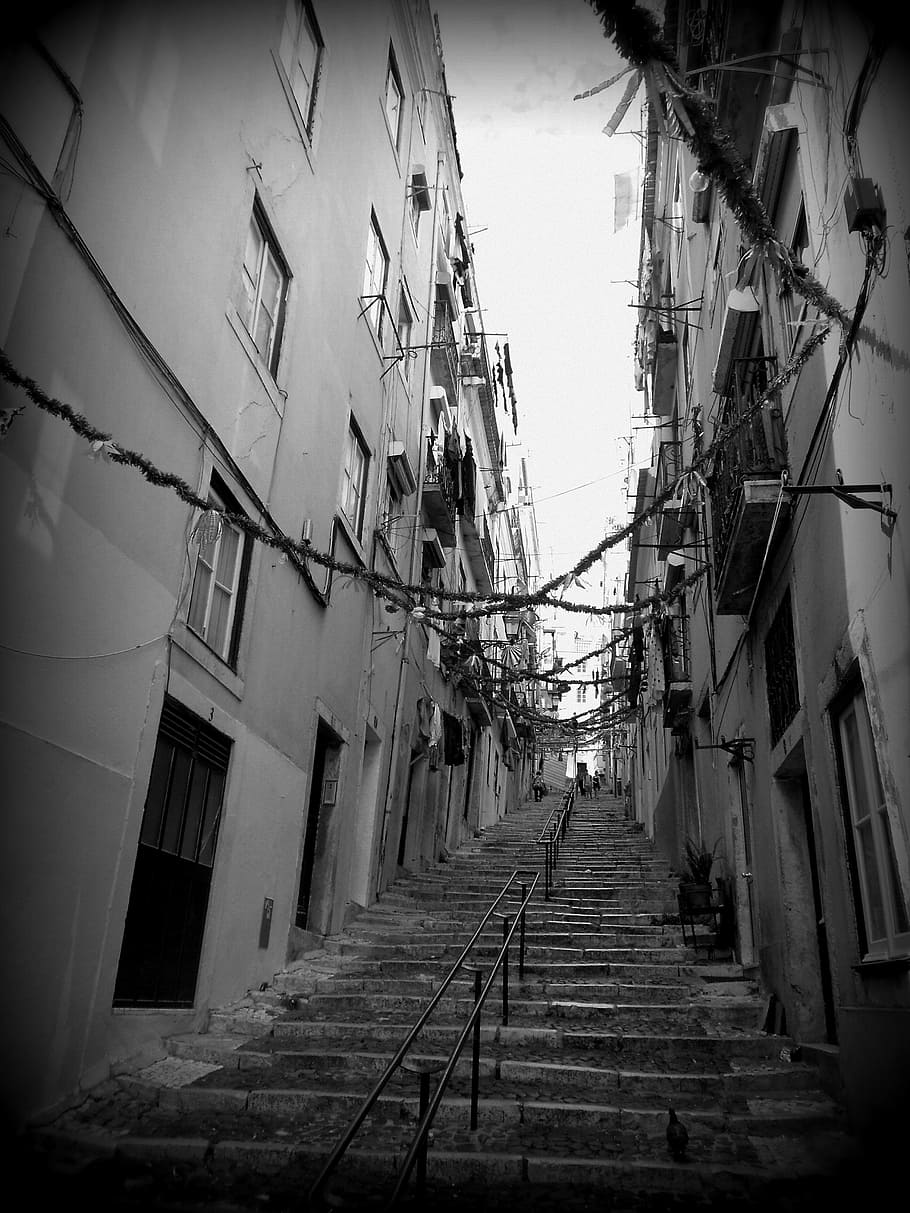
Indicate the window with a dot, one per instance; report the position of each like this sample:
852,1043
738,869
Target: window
376,276
884,917
392,511
780,670
394,98
418,197
405,332
793,306
263,290
300,52
354,480
220,576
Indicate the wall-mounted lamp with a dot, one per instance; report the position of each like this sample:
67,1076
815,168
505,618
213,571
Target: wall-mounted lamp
699,182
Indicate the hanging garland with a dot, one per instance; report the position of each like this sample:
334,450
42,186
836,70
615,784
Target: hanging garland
300,553
395,592
637,36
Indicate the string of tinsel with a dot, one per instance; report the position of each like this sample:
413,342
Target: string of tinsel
637,36
389,588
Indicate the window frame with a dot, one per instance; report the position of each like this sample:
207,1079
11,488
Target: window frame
289,45
867,819
220,498
354,488
378,302
250,290
405,336
393,78
794,308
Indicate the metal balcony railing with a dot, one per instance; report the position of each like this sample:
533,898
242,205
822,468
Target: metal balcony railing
755,449
439,495
444,354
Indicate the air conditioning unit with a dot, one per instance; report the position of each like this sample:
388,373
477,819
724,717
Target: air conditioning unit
400,471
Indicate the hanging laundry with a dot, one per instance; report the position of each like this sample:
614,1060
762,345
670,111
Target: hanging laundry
424,719
433,647
512,397
453,747
435,737
468,487
452,456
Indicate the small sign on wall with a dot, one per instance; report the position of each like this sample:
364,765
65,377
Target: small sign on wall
265,925
329,791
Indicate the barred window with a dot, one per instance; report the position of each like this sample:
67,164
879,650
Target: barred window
780,670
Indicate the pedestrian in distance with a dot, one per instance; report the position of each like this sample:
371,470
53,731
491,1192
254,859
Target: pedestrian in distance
538,786
596,781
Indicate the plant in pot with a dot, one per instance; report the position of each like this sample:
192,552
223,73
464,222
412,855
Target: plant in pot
695,886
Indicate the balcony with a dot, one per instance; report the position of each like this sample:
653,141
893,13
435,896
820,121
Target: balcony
672,524
677,672
444,351
745,484
439,498
477,687
663,374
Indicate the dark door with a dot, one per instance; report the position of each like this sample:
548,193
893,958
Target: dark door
165,920
403,836
308,862
821,934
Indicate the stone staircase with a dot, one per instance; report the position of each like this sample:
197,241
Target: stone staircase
613,1022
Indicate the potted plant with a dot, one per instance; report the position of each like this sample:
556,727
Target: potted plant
695,886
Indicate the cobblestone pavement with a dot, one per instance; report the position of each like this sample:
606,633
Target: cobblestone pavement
116,1185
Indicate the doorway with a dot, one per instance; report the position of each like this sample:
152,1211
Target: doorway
807,959
821,934
323,794
169,896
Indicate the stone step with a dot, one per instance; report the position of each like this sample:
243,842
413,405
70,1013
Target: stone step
714,1086
613,1020
557,1146
648,1050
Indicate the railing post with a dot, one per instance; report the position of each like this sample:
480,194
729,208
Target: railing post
505,971
475,1058
423,1067
521,945
546,871
420,1182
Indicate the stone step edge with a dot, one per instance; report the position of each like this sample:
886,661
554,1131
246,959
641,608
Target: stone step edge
489,1066
457,1164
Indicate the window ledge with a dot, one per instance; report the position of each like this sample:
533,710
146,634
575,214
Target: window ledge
196,648
883,967
271,387
352,538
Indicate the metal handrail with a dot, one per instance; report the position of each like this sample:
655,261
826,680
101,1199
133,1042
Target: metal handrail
552,834
417,1151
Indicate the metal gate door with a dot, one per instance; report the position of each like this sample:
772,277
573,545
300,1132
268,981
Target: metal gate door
165,921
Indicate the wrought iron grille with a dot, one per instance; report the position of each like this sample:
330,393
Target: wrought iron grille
438,476
707,30
676,649
444,344
755,448
669,465
780,670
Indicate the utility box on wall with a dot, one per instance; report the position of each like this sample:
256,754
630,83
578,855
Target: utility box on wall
863,204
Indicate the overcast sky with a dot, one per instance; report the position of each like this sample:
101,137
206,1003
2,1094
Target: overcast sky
539,182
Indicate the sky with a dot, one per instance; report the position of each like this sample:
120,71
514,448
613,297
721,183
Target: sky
538,188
